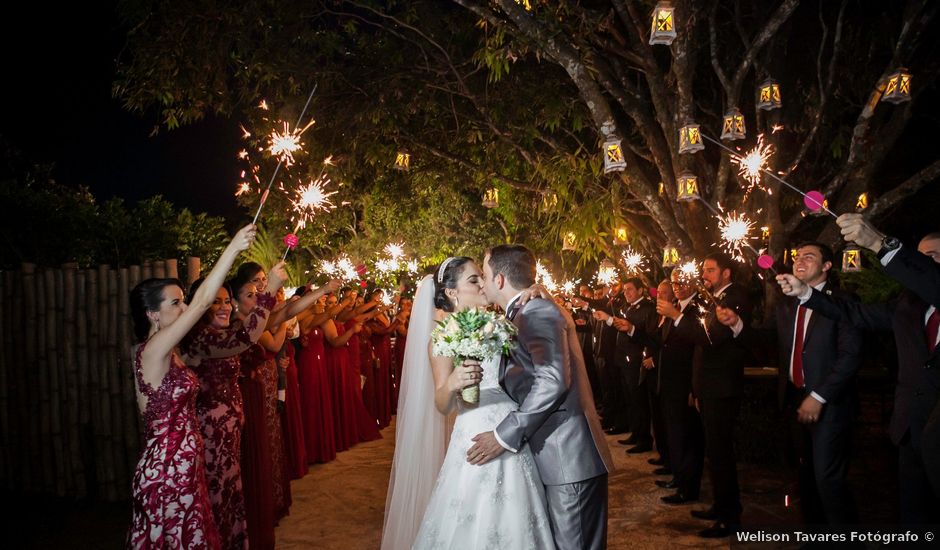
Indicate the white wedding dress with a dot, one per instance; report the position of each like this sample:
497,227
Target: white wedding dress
499,505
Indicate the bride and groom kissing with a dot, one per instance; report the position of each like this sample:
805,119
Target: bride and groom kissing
527,466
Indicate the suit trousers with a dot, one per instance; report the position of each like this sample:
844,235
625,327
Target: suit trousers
683,426
919,504
639,403
656,414
578,514
930,448
823,451
616,410
719,416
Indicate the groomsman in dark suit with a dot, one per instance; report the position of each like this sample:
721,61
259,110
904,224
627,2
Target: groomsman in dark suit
914,320
674,340
616,411
718,383
637,315
818,362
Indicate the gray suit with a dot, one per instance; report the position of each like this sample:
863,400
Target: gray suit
545,374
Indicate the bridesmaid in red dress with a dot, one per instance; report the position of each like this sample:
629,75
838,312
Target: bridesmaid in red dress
367,370
212,349
401,338
294,444
316,399
366,425
338,367
171,506
381,328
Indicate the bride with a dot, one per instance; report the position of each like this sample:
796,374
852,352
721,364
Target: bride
500,504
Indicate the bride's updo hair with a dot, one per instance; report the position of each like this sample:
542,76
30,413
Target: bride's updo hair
446,276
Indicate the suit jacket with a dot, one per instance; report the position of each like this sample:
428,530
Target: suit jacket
674,346
831,350
918,387
629,349
545,374
917,273
718,365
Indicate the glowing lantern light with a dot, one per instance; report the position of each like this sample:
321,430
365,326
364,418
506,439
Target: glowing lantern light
898,87
670,256
549,202
664,25
620,236
732,126
662,189
613,157
862,202
851,259
687,190
690,139
491,198
402,161
569,241
768,95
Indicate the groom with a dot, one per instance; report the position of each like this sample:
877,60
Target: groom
556,417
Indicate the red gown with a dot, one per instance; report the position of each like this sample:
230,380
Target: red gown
294,446
213,354
171,506
338,367
274,419
382,346
316,397
257,458
367,369
366,427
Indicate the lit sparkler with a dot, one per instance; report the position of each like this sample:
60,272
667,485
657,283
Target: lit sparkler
395,250
412,266
283,144
754,162
735,230
606,273
633,260
570,286
688,272
243,188
544,278
312,198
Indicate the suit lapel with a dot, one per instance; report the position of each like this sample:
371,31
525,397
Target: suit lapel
812,319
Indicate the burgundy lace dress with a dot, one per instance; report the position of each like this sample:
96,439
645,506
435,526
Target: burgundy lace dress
171,506
213,354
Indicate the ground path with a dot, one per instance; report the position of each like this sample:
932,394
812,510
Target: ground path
340,505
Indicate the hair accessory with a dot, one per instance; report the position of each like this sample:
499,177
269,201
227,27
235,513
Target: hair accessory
440,270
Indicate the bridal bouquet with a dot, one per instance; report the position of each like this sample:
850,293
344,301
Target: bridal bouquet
472,334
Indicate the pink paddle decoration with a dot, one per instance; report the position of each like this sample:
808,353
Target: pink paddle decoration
291,240
765,261
814,200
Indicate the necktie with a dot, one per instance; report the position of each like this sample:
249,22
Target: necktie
797,367
933,325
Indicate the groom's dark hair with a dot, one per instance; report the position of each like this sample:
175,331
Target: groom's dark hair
515,262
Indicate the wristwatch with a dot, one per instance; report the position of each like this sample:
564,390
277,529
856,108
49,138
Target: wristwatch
888,243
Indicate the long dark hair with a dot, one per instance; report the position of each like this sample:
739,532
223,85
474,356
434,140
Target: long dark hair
195,286
145,297
447,279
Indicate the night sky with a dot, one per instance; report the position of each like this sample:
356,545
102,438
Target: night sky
60,63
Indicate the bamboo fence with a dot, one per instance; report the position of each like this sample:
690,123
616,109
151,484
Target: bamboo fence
68,413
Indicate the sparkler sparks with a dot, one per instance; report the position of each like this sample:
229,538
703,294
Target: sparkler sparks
412,266
570,286
395,250
735,230
283,144
688,273
633,260
606,273
754,162
243,188
311,198
544,278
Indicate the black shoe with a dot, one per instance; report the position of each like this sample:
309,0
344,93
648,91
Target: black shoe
719,530
678,498
642,448
709,515
662,471
616,430
656,461
662,484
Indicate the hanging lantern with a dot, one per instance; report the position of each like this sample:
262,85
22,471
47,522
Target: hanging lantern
670,256
569,241
662,189
613,157
491,198
549,202
402,161
765,233
620,236
862,202
851,259
664,25
687,189
768,95
690,139
732,126
898,87
789,256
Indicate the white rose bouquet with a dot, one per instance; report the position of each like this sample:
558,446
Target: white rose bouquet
472,334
